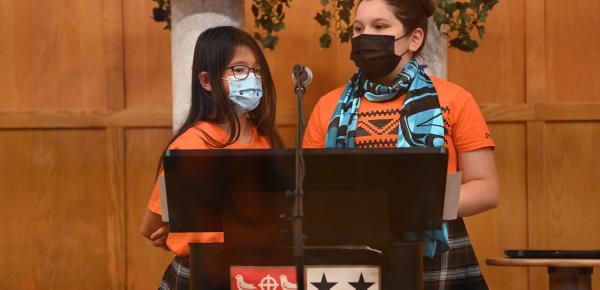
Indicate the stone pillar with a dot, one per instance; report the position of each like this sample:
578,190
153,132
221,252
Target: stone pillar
435,52
189,18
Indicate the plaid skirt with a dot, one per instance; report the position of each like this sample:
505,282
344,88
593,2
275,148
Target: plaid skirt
456,268
177,275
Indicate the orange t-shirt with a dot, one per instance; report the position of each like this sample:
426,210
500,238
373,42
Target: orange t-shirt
377,123
192,140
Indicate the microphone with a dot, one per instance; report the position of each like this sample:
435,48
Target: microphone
301,75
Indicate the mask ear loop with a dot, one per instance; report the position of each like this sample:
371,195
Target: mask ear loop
406,51
403,36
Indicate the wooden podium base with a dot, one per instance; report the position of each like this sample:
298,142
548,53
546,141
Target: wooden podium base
401,264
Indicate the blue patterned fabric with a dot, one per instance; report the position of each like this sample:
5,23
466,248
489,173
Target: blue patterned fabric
421,125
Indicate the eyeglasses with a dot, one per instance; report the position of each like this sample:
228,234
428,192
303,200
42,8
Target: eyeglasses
241,72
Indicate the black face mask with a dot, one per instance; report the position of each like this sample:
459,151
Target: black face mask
374,54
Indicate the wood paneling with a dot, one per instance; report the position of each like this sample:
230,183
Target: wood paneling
535,185
508,112
115,182
506,226
564,214
147,57
495,73
57,211
86,119
148,118
113,49
56,54
571,112
16,57
535,13
572,46
145,263
288,134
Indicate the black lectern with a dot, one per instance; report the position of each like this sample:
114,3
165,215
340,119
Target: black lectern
357,206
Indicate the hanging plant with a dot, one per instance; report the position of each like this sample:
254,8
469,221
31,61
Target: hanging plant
268,16
162,13
456,20
338,12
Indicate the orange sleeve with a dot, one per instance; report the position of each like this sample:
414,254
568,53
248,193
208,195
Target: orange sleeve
188,140
470,131
314,135
316,129
154,203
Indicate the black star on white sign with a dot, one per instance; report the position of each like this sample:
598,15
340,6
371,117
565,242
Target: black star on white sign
361,284
323,285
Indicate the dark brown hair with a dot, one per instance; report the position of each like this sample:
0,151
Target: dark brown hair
215,47
412,14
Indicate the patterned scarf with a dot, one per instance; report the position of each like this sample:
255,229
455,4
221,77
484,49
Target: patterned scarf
421,125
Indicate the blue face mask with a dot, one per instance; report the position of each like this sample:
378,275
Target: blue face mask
245,94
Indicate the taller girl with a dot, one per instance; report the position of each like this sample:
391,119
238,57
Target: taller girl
391,102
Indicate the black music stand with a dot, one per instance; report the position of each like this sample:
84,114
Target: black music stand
352,197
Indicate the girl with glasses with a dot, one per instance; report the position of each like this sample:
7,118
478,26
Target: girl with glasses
232,107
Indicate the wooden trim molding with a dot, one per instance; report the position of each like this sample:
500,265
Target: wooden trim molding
498,113
508,112
150,118
116,234
86,119
112,15
535,50
570,112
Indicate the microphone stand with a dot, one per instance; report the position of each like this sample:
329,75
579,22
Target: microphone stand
298,211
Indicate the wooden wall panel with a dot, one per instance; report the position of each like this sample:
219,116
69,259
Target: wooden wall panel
57,59
536,47
15,77
147,57
55,208
535,52
116,210
145,263
506,226
288,135
495,73
565,215
572,46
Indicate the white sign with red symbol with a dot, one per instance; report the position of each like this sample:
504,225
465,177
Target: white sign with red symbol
263,278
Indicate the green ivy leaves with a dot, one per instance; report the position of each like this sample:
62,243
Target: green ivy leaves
162,13
269,16
456,20
336,12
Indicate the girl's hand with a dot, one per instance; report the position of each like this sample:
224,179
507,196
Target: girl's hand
159,237
155,230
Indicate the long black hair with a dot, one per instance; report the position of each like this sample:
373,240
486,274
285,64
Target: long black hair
215,48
